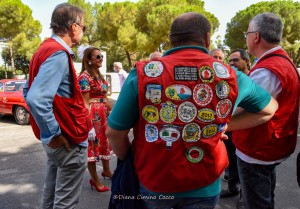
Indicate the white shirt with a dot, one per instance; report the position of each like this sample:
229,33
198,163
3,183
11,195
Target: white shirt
122,77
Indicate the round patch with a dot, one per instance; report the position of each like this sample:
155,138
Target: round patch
153,93
151,133
169,134
168,112
187,112
150,114
206,115
206,74
202,94
223,108
222,89
209,130
153,69
178,92
194,154
221,70
191,132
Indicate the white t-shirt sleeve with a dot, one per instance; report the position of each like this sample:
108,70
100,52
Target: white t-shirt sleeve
267,80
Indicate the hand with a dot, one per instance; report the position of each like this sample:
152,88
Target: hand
92,135
223,135
59,141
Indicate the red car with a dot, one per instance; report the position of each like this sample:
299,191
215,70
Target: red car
12,101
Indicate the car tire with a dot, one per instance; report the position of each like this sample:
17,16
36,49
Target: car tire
21,115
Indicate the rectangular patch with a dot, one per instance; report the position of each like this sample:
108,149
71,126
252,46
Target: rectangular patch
185,73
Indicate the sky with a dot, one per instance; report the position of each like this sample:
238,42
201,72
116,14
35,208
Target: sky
224,10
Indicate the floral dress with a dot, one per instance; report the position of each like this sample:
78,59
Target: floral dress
98,114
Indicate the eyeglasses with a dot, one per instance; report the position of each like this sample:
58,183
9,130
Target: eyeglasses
99,56
246,33
82,27
234,60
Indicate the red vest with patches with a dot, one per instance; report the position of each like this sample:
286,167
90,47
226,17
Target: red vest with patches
277,138
70,113
184,100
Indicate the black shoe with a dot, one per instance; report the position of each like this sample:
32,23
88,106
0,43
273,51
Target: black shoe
228,193
240,204
226,178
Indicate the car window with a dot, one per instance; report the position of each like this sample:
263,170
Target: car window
13,86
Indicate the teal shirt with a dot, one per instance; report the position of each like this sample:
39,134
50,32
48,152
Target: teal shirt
125,113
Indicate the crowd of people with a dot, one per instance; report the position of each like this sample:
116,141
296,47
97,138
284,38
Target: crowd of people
192,115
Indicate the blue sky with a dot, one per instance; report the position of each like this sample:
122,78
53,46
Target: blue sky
224,10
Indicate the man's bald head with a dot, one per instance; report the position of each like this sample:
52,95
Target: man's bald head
190,29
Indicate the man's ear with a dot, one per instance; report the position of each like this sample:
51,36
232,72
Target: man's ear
207,40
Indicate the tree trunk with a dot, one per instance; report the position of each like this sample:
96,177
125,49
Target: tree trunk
129,59
12,60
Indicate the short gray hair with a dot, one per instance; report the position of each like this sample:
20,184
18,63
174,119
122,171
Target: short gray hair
269,26
118,64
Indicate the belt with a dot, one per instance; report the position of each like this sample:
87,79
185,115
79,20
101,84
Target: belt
95,100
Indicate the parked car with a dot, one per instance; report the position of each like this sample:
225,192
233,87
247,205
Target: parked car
12,101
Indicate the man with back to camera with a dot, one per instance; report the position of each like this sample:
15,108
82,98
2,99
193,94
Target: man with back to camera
261,149
58,116
218,54
178,106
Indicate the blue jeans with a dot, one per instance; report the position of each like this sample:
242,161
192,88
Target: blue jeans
257,184
181,203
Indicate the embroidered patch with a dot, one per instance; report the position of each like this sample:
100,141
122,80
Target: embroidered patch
206,74
169,133
223,108
191,132
209,130
222,89
187,112
185,73
153,93
206,115
178,92
151,133
150,114
202,94
194,154
221,70
168,112
153,69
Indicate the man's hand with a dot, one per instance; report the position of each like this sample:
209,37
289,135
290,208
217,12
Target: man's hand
92,135
59,141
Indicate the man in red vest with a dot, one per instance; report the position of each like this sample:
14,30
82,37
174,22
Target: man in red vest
178,106
261,149
58,115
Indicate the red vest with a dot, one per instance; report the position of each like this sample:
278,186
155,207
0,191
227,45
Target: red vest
70,113
277,138
184,99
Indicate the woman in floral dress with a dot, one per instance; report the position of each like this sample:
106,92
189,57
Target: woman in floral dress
94,89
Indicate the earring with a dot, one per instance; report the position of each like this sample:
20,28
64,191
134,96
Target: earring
89,63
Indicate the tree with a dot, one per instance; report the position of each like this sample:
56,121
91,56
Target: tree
16,21
289,12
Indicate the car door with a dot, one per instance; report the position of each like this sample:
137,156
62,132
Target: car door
1,95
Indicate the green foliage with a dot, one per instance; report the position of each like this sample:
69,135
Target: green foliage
288,10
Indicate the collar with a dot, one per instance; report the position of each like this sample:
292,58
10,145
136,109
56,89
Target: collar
175,49
268,52
61,42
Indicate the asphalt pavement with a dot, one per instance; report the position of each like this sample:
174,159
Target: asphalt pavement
22,169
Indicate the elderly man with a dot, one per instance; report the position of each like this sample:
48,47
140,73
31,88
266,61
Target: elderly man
218,54
118,68
178,108
262,148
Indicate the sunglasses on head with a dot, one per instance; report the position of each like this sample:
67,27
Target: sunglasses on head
99,56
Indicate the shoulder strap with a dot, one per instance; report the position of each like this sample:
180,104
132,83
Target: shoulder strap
280,55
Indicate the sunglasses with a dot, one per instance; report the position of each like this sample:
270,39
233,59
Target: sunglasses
99,57
82,27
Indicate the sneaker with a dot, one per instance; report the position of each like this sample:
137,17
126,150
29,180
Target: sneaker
229,193
240,204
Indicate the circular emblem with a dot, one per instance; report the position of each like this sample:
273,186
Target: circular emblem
206,74
209,130
153,93
222,89
223,108
202,94
206,115
191,132
153,69
150,114
194,154
178,92
151,133
168,112
169,134
187,112
221,70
